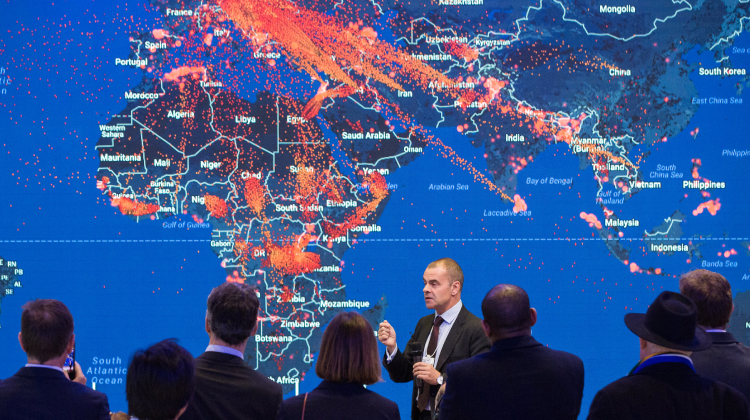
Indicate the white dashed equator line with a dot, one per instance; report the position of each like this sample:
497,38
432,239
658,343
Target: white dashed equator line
361,240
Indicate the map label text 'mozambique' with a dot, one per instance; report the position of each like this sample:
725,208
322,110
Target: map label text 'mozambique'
345,304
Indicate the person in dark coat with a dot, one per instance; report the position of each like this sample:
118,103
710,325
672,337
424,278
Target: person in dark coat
727,360
518,378
348,360
42,390
449,334
226,388
664,384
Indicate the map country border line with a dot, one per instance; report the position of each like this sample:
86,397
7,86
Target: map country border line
358,240
660,20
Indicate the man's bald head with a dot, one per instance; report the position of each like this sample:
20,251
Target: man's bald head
507,312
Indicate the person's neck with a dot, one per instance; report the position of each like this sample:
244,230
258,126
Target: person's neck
511,334
448,307
213,340
57,362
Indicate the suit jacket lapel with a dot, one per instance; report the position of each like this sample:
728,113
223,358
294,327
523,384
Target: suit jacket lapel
450,342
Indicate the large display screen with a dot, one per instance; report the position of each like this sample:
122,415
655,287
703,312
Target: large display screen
326,151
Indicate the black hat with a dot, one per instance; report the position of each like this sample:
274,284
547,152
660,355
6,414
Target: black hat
671,321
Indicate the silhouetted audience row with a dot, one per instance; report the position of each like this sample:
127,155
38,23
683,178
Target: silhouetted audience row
690,367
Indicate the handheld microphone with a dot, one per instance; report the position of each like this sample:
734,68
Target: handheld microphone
416,354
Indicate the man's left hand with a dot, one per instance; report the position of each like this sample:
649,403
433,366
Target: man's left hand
426,372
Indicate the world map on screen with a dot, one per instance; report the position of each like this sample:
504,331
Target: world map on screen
588,151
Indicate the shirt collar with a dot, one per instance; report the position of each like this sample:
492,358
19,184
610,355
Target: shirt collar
226,350
451,314
716,330
31,365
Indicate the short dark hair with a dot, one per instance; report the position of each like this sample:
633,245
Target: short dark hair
232,311
451,267
160,381
506,308
712,295
46,328
349,351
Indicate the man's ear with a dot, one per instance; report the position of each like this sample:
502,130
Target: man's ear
255,329
208,327
20,341
455,288
486,328
643,343
533,317
71,344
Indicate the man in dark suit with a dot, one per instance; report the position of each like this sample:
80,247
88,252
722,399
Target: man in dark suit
225,387
449,334
664,384
726,360
42,390
518,378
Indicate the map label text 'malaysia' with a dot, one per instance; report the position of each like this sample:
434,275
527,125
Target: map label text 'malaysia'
622,223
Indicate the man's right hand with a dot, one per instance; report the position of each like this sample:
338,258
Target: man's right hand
79,375
387,336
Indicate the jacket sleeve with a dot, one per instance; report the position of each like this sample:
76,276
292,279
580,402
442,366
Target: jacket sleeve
401,368
479,342
742,411
450,407
104,408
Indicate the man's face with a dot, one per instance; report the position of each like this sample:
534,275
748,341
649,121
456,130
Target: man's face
438,289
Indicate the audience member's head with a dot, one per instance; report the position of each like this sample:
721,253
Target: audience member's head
349,351
452,269
160,382
46,330
507,312
669,325
232,312
712,295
